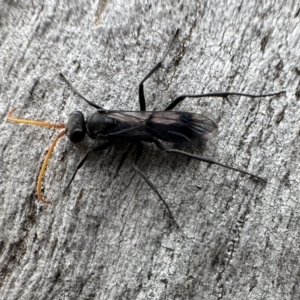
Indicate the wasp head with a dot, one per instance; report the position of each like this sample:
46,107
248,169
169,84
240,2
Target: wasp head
75,127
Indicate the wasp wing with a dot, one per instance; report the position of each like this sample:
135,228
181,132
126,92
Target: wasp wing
170,126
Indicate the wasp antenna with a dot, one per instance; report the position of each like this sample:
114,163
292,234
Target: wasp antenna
44,166
46,160
32,122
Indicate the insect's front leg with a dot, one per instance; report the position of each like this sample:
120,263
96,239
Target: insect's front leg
78,93
96,149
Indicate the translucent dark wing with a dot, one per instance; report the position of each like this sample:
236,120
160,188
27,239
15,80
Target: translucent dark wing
171,126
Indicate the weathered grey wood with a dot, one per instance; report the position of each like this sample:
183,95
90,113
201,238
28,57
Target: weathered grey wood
109,237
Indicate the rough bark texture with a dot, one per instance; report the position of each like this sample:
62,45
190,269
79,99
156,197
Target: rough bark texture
109,237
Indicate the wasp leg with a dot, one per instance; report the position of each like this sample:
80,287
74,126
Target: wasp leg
146,179
96,149
78,93
204,159
123,158
142,100
225,95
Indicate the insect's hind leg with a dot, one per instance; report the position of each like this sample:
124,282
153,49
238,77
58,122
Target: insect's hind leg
204,159
225,95
78,93
139,154
142,100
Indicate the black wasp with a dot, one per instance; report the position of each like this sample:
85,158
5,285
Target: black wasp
135,127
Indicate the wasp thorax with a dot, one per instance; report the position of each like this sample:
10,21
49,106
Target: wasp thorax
76,127
95,124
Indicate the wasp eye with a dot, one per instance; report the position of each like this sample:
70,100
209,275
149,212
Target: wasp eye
76,127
